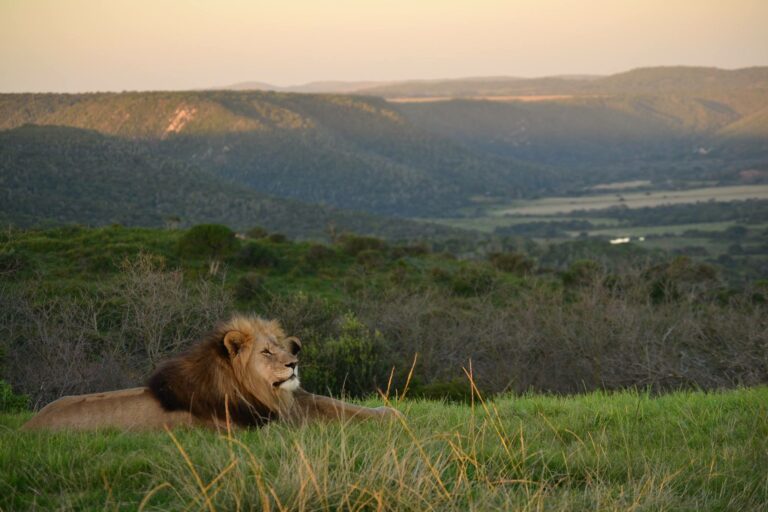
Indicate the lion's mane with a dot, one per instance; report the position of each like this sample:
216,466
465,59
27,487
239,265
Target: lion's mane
203,379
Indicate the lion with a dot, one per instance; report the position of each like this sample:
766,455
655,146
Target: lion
244,373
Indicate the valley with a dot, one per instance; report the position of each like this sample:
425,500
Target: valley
552,160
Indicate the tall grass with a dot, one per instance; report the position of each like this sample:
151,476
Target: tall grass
605,451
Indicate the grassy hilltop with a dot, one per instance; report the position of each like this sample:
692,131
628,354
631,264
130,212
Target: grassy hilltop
625,451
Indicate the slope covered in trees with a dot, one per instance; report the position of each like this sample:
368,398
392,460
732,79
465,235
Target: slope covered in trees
343,151
56,175
648,123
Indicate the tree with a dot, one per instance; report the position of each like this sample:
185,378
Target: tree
212,241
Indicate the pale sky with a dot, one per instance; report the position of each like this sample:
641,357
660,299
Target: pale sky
99,45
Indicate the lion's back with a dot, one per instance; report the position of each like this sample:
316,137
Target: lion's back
125,409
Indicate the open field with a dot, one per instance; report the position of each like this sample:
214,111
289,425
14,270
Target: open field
623,185
676,229
555,205
487,224
683,451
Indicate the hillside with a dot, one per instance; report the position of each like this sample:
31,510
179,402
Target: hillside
641,81
347,152
627,451
56,175
605,386
639,124
424,158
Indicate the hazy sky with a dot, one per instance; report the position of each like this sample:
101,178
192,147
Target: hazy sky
88,45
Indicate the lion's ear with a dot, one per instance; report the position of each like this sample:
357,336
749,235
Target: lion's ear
294,344
233,342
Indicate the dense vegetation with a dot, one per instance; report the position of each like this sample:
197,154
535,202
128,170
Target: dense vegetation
102,306
657,123
352,153
55,175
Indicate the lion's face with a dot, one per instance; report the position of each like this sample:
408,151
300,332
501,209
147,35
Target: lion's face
262,355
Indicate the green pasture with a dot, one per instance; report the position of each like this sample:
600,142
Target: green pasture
622,451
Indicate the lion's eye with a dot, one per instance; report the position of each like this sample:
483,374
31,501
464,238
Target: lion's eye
266,352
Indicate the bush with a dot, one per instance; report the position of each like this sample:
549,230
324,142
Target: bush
277,238
315,256
318,253
420,249
208,241
256,232
679,277
512,262
582,273
354,244
10,401
109,338
370,258
249,287
255,254
468,281
13,261
347,363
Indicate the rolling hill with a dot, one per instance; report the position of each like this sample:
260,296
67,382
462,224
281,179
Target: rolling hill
494,138
342,151
640,81
58,175
663,118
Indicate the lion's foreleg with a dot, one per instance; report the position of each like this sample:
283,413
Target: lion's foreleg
310,406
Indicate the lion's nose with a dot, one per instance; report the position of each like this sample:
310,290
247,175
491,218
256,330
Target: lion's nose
291,365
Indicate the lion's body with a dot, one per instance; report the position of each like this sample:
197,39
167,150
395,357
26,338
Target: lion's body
244,373
126,409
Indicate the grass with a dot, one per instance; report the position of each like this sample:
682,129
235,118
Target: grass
622,451
554,205
488,223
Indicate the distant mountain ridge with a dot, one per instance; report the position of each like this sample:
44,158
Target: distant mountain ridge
331,86
659,79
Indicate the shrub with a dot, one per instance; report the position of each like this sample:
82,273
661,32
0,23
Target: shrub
249,287
582,273
354,244
277,238
349,362
318,253
13,261
315,256
512,262
468,281
255,254
208,241
256,232
681,276
108,338
370,258
10,401
420,249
